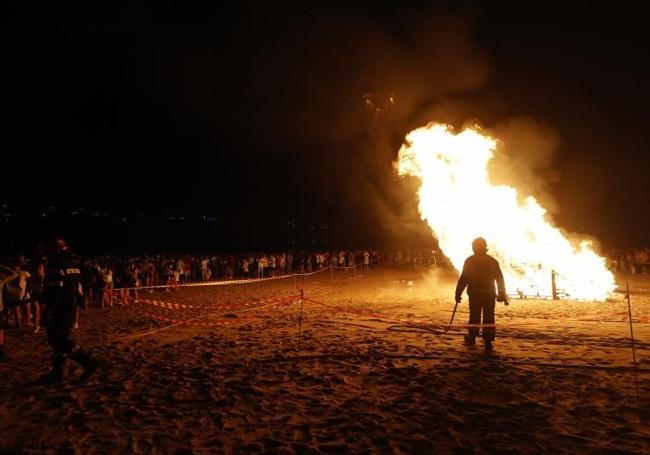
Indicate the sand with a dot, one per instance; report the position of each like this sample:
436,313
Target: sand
372,372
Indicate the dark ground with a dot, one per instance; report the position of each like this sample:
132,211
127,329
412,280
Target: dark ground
379,377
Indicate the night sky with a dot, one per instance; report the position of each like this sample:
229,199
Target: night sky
259,111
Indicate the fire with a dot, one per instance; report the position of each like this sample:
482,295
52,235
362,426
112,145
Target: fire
459,203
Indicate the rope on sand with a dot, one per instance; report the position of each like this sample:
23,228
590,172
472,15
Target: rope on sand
399,324
408,328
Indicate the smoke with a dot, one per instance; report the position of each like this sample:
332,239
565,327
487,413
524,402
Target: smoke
524,158
337,88
304,77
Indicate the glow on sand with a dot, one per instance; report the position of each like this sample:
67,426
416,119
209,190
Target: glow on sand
459,203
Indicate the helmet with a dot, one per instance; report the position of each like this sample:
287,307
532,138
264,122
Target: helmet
60,244
52,246
479,245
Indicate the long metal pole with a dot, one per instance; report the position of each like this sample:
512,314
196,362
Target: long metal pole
452,318
629,312
302,304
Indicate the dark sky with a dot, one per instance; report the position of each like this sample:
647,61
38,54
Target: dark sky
257,111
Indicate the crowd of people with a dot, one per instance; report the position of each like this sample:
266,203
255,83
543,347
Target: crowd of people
22,291
49,286
629,260
106,280
102,276
103,281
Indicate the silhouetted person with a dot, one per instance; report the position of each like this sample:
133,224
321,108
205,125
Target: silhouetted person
61,292
6,275
479,275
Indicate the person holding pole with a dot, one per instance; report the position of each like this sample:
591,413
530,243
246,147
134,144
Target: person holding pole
479,275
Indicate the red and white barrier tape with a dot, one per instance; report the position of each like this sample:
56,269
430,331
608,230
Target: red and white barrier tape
183,306
349,267
275,303
192,323
219,282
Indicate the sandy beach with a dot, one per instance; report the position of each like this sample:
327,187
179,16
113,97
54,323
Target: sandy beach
372,371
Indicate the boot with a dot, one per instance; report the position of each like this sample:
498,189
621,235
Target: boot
56,373
470,340
488,345
3,355
84,359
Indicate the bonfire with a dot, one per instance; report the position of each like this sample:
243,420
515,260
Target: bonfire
459,203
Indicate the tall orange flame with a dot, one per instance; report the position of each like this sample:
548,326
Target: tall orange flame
459,203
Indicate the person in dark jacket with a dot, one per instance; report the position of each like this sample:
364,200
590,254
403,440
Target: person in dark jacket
479,275
62,290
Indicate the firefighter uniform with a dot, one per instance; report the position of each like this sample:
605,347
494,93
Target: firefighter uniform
479,275
61,292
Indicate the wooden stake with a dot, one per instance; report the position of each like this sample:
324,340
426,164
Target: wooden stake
553,285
